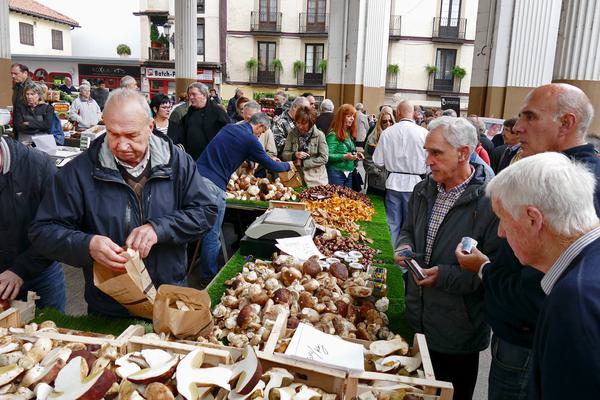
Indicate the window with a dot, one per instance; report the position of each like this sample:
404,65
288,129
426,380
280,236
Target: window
450,12
445,62
313,57
315,11
57,39
200,38
268,10
266,55
200,6
26,33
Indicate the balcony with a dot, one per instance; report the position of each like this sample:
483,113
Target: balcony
451,30
158,53
313,23
264,77
265,21
395,26
443,87
311,79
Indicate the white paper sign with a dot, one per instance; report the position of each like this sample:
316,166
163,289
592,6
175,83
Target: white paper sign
301,247
311,344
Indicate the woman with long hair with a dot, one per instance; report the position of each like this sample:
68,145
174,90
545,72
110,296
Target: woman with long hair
306,146
342,150
376,176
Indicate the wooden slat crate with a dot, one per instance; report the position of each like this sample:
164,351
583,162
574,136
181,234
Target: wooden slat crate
20,312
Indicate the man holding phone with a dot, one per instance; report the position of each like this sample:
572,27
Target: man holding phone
444,301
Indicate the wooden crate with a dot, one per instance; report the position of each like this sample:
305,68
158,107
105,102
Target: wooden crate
330,380
19,313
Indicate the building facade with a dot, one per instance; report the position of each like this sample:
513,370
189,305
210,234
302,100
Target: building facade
37,29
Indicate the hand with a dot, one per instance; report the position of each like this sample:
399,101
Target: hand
431,277
106,252
360,156
399,259
349,156
470,262
302,155
10,285
142,239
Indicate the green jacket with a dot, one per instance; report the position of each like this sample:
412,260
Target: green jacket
337,150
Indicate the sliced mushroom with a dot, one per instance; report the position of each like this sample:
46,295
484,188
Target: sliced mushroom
275,378
383,348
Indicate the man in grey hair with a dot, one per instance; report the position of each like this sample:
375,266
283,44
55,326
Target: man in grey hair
551,224
326,117
131,188
285,123
129,82
446,302
201,122
234,144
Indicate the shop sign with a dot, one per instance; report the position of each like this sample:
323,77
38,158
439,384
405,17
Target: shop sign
205,75
165,73
109,70
451,103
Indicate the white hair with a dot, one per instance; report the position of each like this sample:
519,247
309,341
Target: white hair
299,102
457,131
84,86
252,105
122,95
127,80
561,189
327,105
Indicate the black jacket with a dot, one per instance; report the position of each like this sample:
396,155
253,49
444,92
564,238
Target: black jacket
450,313
513,296
90,197
34,121
100,95
21,190
198,127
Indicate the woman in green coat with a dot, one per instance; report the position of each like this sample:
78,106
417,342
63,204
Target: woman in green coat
342,150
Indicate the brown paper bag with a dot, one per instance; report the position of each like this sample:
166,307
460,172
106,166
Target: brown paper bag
291,178
133,289
169,318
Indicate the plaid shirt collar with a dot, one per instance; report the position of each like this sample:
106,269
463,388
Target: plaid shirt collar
458,189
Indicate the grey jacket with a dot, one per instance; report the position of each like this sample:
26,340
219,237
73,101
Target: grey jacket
376,176
450,314
313,168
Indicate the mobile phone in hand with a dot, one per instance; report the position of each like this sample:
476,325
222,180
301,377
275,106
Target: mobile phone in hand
415,268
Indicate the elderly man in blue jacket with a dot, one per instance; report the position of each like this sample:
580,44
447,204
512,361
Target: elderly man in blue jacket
132,188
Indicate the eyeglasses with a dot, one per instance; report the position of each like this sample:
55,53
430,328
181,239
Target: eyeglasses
165,106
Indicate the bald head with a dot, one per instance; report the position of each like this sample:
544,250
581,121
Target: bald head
566,99
404,110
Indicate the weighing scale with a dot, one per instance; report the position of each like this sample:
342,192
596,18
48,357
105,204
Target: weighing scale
261,237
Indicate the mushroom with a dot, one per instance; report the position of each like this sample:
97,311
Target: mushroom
306,393
73,382
382,304
276,377
311,267
255,393
41,373
282,296
41,347
310,315
190,375
289,275
393,362
284,393
9,373
10,358
158,391
161,367
386,347
249,371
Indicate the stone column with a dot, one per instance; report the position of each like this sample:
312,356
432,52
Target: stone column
185,44
5,82
514,53
357,54
577,54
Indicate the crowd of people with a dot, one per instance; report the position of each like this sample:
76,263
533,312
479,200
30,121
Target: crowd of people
156,182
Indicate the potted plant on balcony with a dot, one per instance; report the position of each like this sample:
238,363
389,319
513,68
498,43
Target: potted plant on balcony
392,72
277,65
154,37
298,67
123,50
431,69
323,66
459,71
251,66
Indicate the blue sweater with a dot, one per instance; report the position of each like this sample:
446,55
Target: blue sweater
513,296
229,149
566,363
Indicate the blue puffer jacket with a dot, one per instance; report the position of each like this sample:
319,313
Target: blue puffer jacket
89,197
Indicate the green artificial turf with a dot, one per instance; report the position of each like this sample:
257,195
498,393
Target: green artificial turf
379,232
249,203
90,322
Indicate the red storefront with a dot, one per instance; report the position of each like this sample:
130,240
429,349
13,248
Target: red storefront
110,74
162,80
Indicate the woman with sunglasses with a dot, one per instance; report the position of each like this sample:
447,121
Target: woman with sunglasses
376,176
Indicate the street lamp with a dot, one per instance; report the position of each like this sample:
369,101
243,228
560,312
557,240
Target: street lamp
167,31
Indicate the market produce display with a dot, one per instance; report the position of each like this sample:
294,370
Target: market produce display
326,191
335,301
328,246
249,187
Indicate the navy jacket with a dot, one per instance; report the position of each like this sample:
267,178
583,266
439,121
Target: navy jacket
566,362
513,295
228,150
450,313
90,197
21,191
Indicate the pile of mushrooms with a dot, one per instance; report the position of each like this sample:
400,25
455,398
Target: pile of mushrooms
249,187
332,301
